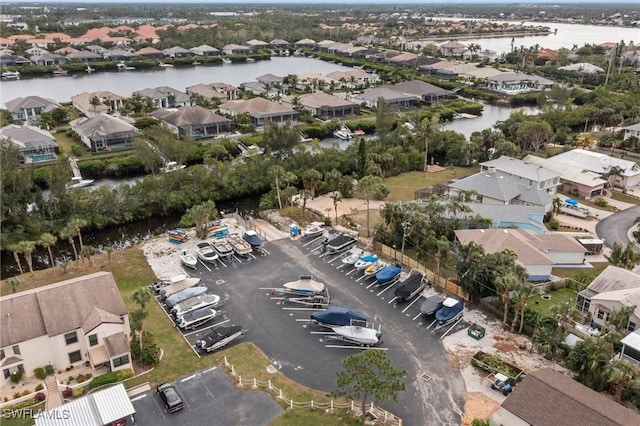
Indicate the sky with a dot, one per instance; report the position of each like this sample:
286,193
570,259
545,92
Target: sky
404,2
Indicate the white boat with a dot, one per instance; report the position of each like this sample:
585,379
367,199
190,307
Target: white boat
188,260
250,60
172,166
89,69
196,318
341,134
222,247
304,286
315,229
354,254
195,303
60,72
78,182
239,245
185,294
226,60
123,67
373,269
163,65
365,261
11,75
363,336
206,253
219,338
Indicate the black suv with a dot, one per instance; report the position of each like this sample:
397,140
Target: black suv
170,397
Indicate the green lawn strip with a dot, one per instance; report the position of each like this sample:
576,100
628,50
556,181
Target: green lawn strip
64,142
558,298
625,198
404,186
572,272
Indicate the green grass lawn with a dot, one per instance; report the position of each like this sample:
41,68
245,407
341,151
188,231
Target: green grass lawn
404,186
618,196
558,298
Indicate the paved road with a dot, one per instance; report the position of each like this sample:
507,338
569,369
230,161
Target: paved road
614,228
302,356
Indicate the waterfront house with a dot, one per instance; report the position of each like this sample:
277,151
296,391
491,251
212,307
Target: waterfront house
257,44
177,52
77,322
109,102
514,83
305,43
621,173
215,91
524,172
452,48
105,132
194,122
279,43
427,92
119,55
261,89
324,105
236,49
353,78
260,110
393,98
84,56
13,61
29,108
205,50
48,59
150,53
632,131
35,144
166,97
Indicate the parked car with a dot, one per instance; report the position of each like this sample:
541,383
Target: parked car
170,397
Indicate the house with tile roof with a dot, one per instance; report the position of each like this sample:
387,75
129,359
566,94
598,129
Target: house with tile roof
279,43
109,102
166,97
29,108
105,132
84,56
177,52
613,289
150,53
215,91
236,49
260,110
205,50
537,253
324,105
550,398
194,122
35,144
305,43
80,321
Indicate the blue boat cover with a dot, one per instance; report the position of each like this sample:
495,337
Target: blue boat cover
335,315
253,239
369,258
387,273
448,312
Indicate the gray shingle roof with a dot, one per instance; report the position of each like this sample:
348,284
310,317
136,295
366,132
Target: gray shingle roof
28,102
28,137
188,116
101,125
614,278
522,168
420,88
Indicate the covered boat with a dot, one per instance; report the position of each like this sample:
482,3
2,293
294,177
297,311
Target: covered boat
431,304
219,338
185,294
354,254
222,247
341,243
359,335
239,246
305,285
174,288
365,261
337,316
411,286
196,318
450,310
388,274
206,253
315,229
251,237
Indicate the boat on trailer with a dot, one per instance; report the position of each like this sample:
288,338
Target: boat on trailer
252,237
411,286
195,303
315,229
188,260
388,275
196,318
305,291
206,253
431,305
222,247
450,311
373,269
358,335
365,261
340,243
185,294
239,246
336,316
354,254
219,338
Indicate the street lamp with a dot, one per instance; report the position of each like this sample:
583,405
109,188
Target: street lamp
405,227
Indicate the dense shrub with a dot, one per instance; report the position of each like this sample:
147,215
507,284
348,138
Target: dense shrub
40,397
77,393
16,376
49,369
553,224
110,377
67,392
39,387
600,202
20,405
40,373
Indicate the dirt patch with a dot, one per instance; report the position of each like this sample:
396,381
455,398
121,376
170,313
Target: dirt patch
503,344
478,406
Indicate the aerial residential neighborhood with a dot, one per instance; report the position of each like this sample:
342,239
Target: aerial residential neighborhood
320,214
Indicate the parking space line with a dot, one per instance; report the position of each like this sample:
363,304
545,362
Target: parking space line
137,398
204,329
302,309
188,378
355,347
391,301
203,264
411,304
351,272
416,317
385,289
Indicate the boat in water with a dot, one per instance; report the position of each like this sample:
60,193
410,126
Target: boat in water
188,260
79,182
219,338
163,65
59,72
10,75
89,69
411,286
450,311
226,60
250,60
252,237
172,166
222,247
239,245
206,253
335,316
388,275
342,135
124,67
358,335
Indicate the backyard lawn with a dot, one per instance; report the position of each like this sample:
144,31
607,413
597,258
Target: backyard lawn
558,298
404,186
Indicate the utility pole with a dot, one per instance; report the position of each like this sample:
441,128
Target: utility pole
405,227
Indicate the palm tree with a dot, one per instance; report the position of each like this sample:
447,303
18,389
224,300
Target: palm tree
201,214
505,283
619,318
141,297
77,224
46,240
14,282
69,232
333,180
305,194
336,197
548,340
86,252
277,173
14,250
311,178
95,101
588,359
26,247
523,292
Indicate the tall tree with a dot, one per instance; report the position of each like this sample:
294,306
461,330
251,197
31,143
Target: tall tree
371,187
429,130
13,248
47,240
333,179
369,374
277,173
522,294
141,297
588,360
201,214
505,283
336,198
311,179
26,247
78,223
68,233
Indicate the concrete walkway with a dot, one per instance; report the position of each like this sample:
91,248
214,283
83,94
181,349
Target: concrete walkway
54,397
267,230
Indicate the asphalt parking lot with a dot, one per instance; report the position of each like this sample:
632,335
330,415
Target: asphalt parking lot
210,399
435,392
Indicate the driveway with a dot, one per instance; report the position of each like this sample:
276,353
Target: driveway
435,393
210,399
614,228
